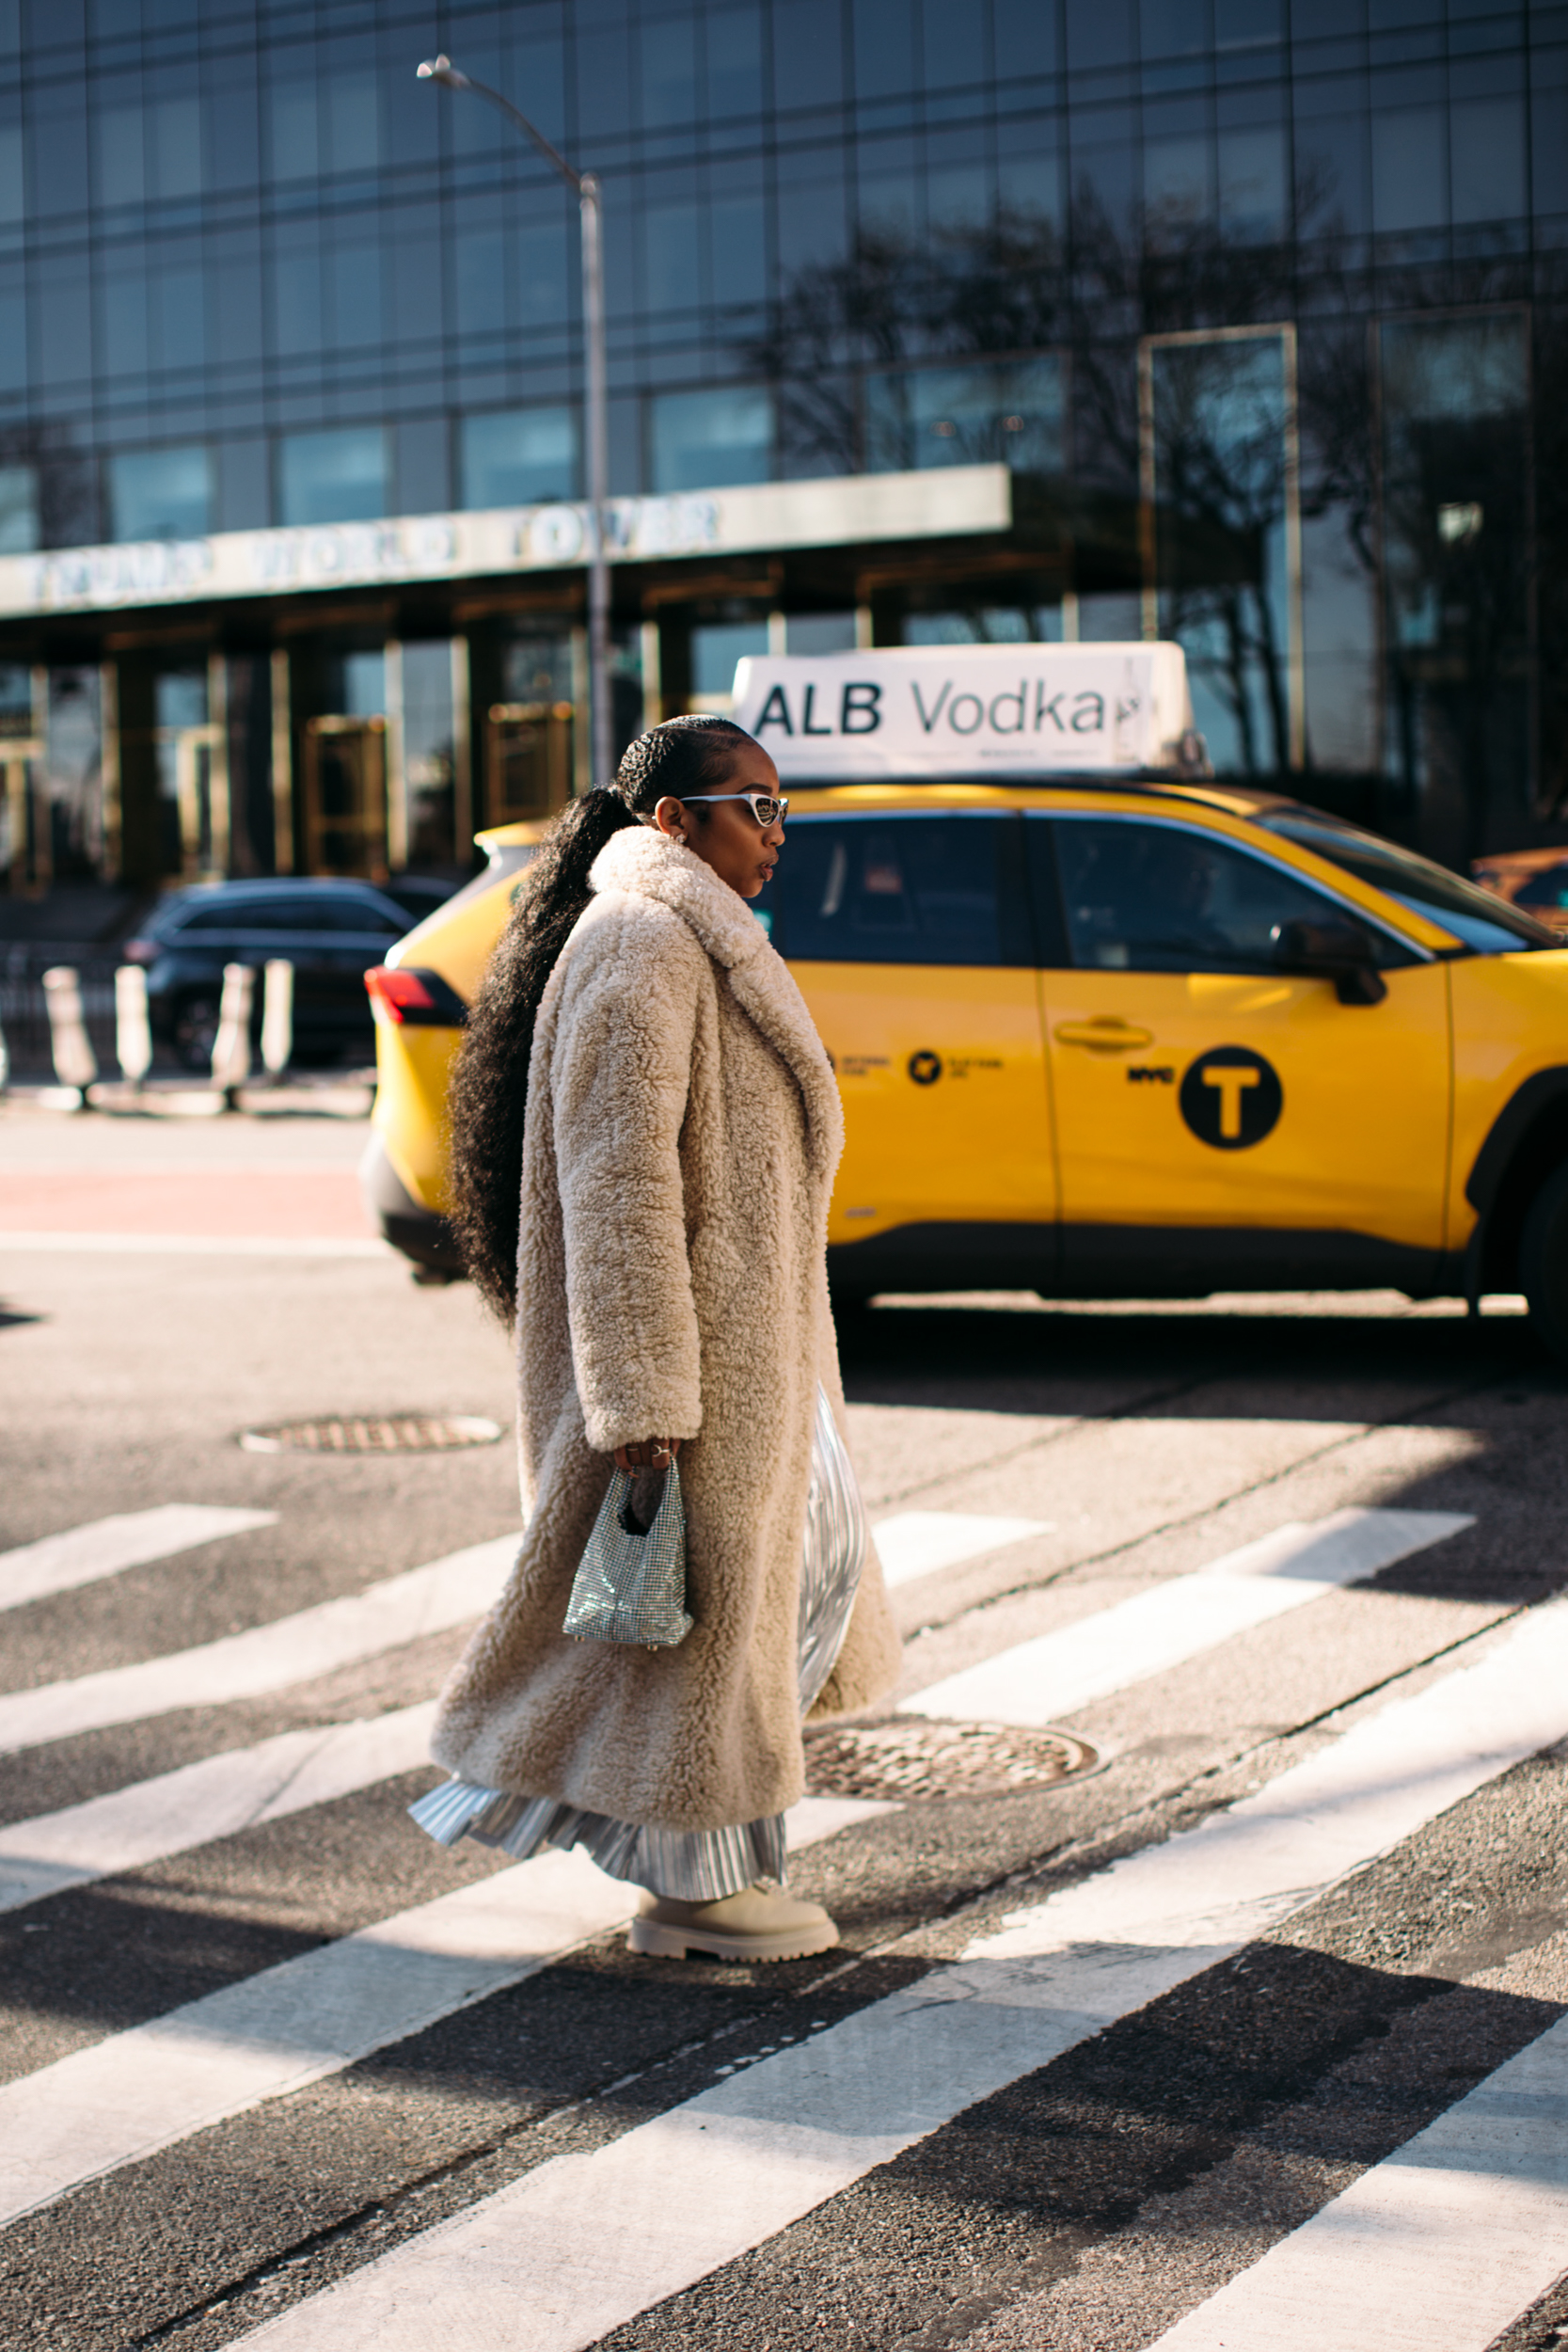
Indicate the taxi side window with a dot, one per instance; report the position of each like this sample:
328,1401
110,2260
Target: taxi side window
1148,898
941,890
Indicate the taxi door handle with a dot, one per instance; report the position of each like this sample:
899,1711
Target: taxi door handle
1103,1036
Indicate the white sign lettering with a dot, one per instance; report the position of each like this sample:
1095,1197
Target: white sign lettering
767,516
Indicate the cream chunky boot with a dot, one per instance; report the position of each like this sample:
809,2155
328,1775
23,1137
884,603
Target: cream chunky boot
760,1923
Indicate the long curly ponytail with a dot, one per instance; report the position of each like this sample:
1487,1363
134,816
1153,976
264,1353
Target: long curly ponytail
488,1097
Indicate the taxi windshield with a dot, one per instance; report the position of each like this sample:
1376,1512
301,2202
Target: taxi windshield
1487,925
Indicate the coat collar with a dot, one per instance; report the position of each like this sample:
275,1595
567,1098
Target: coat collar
648,865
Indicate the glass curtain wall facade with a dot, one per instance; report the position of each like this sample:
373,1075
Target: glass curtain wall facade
1265,303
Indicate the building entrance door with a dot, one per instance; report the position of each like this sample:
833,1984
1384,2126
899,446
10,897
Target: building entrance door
345,797
201,801
528,760
25,845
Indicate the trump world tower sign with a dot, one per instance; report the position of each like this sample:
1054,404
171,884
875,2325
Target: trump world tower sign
764,516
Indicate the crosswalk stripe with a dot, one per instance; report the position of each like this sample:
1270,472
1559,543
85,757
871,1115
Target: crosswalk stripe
914,1544
699,2186
429,1600
218,1795
126,2097
1040,1680
57,1563
199,1803
1445,2241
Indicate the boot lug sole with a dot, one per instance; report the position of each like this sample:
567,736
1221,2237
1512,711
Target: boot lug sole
649,1936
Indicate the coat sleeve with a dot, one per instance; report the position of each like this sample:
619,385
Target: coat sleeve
621,1075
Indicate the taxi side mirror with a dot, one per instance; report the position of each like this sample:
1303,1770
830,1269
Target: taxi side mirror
1341,952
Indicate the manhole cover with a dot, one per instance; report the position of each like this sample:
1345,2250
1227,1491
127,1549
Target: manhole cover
374,1433
904,1757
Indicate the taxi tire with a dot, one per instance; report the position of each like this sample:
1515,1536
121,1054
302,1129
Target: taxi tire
1543,1263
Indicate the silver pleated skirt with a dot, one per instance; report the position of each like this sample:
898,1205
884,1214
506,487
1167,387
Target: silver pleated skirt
695,1866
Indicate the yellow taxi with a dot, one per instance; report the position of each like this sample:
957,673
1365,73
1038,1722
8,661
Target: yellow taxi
1107,1037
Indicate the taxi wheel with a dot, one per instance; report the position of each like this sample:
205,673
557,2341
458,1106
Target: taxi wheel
1543,1261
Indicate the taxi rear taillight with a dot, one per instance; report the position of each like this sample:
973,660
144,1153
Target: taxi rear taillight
412,998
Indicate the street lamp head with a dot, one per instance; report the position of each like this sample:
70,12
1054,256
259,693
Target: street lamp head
442,70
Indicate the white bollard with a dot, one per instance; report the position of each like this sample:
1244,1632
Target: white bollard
75,1063
132,1029
278,1016
231,1045
4,1064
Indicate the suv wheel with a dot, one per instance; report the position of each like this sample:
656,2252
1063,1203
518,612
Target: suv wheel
196,1030
1543,1261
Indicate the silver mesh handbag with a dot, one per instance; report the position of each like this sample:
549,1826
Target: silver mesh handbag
631,1588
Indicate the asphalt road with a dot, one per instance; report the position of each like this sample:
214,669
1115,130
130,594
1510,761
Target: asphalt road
1248,2037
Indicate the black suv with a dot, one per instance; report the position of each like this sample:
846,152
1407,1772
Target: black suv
332,932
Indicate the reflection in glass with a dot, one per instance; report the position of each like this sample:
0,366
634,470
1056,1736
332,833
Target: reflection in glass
819,633
668,81
19,510
672,280
703,440
983,624
715,650
479,282
317,125
1029,175
543,279
1487,159
74,773
1218,427
1407,169
428,754
13,185
1178,186
160,494
333,477
520,457
1457,559
738,229
733,62
354,295
1155,898
1010,414
909,890
1252,179
292,130
179,311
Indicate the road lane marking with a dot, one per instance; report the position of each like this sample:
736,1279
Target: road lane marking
58,1563
220,1795
705,2183
1444,2242
914,1544
401,1609
126,2097
200,1802
1054,1675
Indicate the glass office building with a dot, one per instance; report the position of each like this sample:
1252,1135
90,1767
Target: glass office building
1237,321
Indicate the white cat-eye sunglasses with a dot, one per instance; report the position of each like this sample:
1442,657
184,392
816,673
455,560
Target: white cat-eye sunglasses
766,807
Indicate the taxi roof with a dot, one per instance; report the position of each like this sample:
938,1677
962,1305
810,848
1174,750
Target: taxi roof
1232,805
976,792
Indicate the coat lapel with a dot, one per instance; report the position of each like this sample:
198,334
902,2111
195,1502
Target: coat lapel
648,865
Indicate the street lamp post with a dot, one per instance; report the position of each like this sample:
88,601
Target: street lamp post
597,429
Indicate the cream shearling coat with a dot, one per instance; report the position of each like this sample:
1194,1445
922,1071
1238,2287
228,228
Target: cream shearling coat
682,1135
